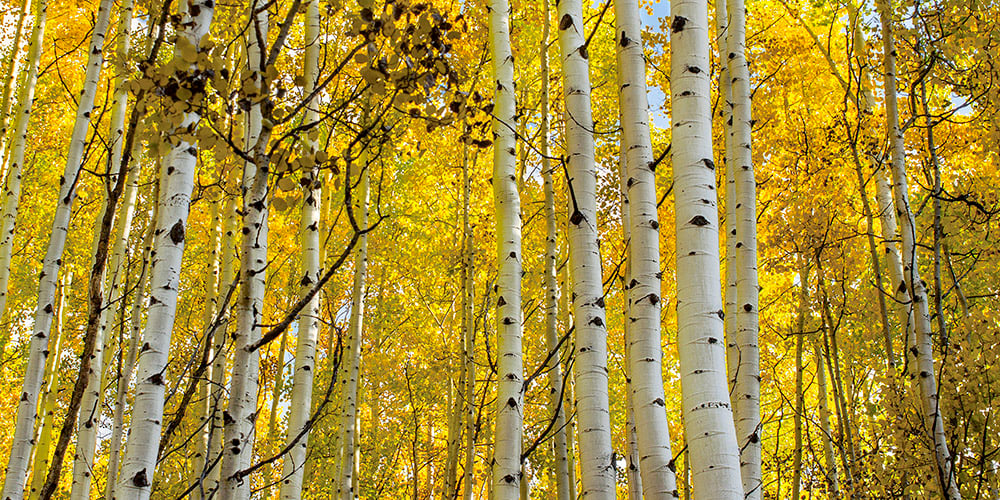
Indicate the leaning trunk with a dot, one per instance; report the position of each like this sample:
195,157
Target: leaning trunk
177,182
52,262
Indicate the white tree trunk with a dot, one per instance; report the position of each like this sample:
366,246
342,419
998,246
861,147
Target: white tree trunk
708,417
50,392
468,331
923,355
591,371
14,164
93,396
645,358
308,329
632,457
213,476
51,263
203,401
507,205
746,389
134,327
238,436
177,181
346,488
823,404
11,74
556,397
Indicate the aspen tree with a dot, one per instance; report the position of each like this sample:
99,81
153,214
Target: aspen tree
14,163
830,472
216,421
213,287
590,367
746,385
922,348
468,330
308,329
134,326
93,397
645,358
632,458
454,414
11,63
729,195
799,396
51,263
238,433
708,417
177,182
50,392
552,291
506,466
349,428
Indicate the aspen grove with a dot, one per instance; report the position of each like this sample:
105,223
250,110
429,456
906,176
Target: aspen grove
500,249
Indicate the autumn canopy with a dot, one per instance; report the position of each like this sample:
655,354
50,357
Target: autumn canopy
499,249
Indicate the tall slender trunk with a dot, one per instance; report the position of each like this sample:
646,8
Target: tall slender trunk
645,354
91,404
832,354
552,291
708,416
569,397
729,195
632,457
590,367
937,228
830,472
346,487
507,203
239,430
308,329
134,327
52,262
203,403
272,416
50,392
746,385
15,165
922,352
213,475
468,330
11,63
177,182
799,396
454,433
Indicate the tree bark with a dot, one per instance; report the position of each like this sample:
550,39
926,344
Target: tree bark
177,182
309,321
590,367
746,384
239,430
645,354
346,488
506,474
14,165
708,416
